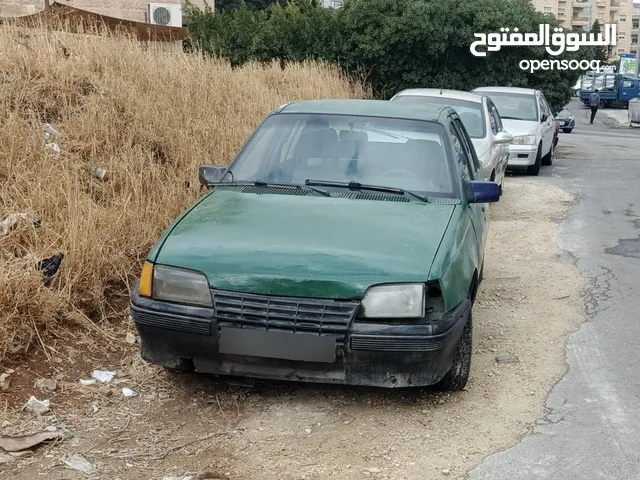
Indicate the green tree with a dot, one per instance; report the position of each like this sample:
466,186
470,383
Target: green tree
392,44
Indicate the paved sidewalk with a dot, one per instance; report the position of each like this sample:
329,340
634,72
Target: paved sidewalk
619,115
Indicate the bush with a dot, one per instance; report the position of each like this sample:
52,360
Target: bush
394,44
150,119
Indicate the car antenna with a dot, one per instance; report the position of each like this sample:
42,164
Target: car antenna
446,60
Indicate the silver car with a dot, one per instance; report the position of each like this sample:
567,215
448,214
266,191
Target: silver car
527,116
481,120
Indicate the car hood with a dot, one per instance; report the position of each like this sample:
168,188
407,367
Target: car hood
306,246
519,127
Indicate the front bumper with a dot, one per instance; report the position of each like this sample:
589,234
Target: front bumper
568,123
522,155
364,354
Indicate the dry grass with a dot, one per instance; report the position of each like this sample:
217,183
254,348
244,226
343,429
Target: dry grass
150,119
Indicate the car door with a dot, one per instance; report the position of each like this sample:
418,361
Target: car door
547,122
628,89
499,152
469,162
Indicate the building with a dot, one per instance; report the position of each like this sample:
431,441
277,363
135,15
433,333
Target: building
134,10
635,20
584,13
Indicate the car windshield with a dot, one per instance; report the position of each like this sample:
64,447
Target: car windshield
515,106
564,113
386,152
471,113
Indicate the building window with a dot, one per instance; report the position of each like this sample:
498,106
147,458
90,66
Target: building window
548,10
635,25
621,50
623,18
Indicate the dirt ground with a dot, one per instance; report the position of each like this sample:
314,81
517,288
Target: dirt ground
181,425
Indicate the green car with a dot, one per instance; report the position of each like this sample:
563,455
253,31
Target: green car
344,244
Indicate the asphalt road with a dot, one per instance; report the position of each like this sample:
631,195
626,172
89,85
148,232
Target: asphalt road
591,429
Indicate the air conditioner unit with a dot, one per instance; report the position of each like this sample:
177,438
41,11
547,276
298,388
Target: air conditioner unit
165,14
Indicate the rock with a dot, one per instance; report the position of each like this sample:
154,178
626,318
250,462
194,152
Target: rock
307,430
4,381
373,470
46,384
446,471
39,407
507,359
130,338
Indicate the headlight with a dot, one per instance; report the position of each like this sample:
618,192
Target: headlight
394,301
524,140
180,285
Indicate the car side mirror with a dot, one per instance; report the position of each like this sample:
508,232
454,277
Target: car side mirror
210,174
502,138
478,191
544,118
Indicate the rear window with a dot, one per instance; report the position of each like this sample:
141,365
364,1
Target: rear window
471,113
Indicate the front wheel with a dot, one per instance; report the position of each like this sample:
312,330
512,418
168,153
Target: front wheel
458,375
548,158
535,168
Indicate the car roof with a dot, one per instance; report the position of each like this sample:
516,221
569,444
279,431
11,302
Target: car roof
522,91
436,92
365,108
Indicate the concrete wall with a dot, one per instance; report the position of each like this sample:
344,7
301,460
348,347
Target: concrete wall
126,9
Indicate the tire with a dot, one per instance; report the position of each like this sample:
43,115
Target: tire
548,158
458,375
602,104
535,168
567,130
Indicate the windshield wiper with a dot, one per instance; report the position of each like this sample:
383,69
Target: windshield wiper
360,186
510,118
262,183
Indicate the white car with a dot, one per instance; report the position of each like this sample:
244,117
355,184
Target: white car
480,118
526,115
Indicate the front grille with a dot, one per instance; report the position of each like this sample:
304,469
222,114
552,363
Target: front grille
201,326
324,317
384,343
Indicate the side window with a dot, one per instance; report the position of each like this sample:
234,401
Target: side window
627,84
495,115
469,148
545,106
461,149
541,110
495,128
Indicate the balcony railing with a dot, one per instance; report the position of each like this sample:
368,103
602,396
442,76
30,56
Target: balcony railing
579,4
614,5
580,21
